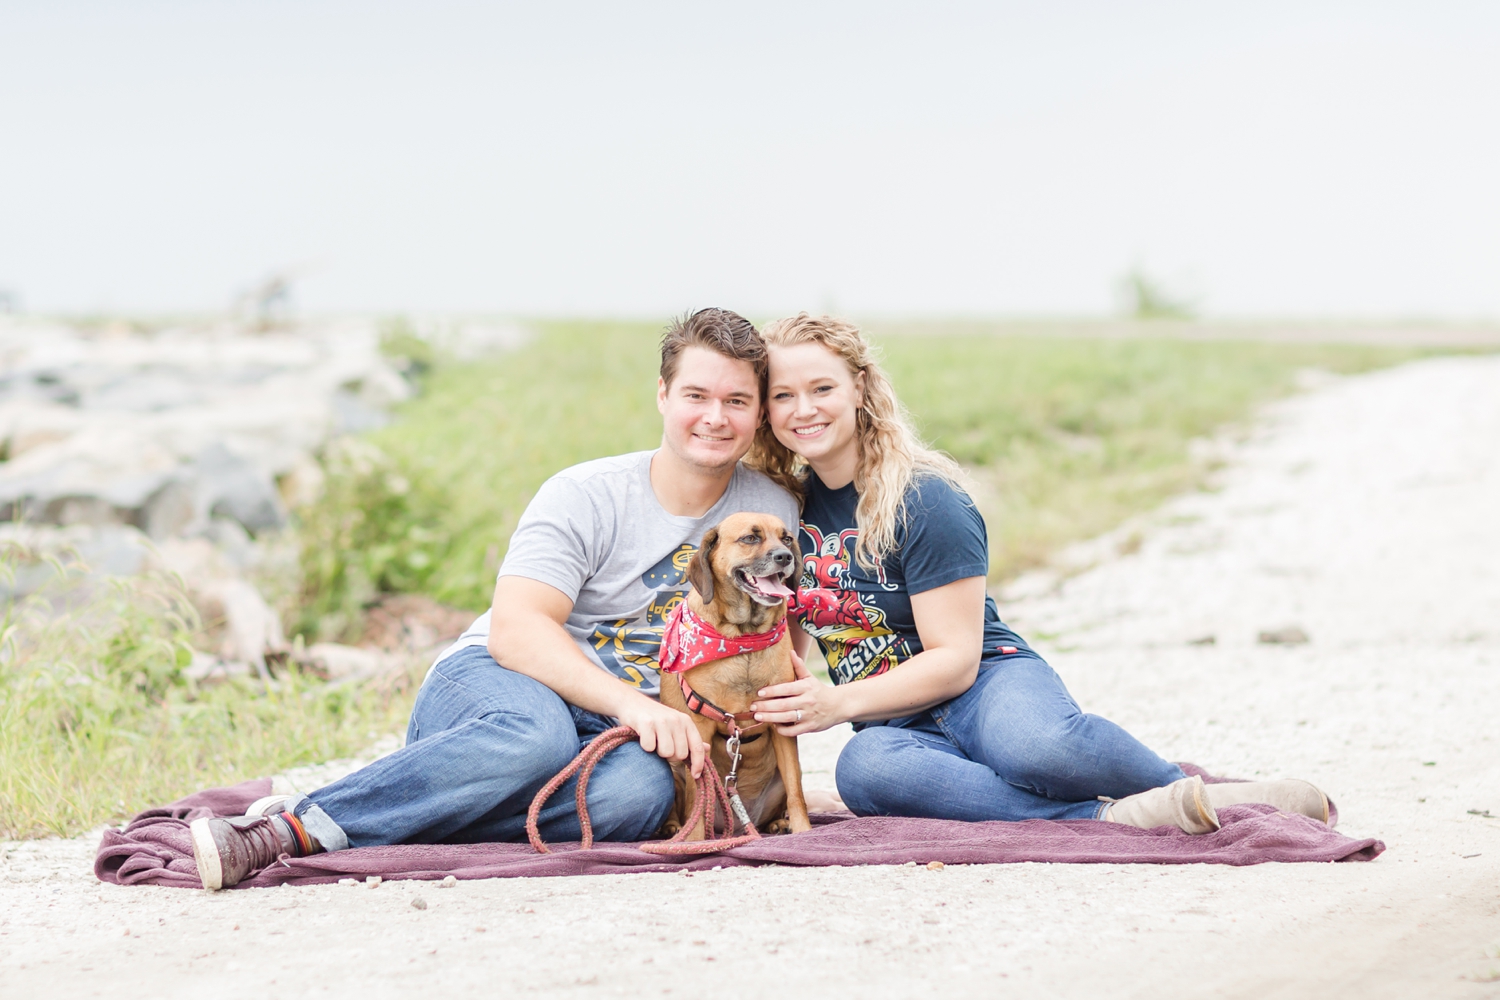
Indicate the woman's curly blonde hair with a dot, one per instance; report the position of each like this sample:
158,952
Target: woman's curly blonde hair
891,454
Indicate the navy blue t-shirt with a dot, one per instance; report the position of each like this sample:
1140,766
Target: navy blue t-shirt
862,618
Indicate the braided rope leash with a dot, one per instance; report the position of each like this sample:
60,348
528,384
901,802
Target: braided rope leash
712,797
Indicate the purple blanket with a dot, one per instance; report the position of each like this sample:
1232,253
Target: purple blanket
155,849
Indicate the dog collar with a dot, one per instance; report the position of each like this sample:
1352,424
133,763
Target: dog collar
688,641
701,705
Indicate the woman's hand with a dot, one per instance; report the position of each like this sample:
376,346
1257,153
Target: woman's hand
805,705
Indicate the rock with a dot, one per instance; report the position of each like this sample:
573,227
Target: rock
412,623
250,628
373,881
136,429
253,626
448,882
109,550
336,662
1291,635
419,903
934,866
229,485
348,881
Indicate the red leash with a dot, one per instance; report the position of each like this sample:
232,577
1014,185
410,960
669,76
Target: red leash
712,797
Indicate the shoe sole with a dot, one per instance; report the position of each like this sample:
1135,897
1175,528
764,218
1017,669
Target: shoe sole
259,806
206,854
1205,807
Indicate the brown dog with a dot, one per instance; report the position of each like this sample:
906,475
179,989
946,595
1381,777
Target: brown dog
740,576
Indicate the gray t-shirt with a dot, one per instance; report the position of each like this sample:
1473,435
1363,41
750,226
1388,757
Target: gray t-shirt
597,533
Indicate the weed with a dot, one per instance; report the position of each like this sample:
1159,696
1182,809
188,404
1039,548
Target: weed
99,719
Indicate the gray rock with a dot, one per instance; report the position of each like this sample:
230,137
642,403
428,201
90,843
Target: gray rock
230,486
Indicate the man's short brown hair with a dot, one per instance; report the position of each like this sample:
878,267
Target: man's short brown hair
722,332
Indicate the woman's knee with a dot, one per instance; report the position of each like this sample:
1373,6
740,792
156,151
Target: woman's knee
863,773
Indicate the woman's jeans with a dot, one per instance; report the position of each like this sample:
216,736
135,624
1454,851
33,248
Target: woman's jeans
482,741
1014,746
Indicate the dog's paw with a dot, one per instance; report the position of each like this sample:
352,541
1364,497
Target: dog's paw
669,829
782,825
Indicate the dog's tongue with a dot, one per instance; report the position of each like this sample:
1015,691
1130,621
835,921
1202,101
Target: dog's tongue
773,586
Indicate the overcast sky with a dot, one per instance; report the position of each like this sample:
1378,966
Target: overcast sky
1302,158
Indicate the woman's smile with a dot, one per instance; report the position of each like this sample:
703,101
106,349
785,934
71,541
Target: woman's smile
813,407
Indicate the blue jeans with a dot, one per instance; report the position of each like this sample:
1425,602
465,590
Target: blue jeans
1014,746
481,742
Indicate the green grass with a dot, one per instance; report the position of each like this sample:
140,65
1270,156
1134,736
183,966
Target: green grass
1066,437
97,720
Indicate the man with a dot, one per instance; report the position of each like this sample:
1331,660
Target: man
567,649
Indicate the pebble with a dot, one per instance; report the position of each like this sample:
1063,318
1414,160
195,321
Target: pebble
348,881
419,903
373,881
934,866
448,882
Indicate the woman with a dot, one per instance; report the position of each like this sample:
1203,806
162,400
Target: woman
974,725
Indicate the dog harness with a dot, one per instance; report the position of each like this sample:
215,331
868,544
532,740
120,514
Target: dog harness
688,641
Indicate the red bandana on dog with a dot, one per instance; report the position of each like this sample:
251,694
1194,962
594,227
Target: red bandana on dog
688,641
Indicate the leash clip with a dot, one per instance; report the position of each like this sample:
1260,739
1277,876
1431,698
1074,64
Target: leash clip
732,745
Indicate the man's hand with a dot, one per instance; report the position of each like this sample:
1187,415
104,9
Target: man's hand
527,636
670,733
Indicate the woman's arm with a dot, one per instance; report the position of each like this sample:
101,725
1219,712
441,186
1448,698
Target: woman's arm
950,622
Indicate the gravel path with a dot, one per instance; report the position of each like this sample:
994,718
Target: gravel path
1362,514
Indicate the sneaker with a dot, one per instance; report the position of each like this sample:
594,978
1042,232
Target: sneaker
1290,796
1184,804
228,851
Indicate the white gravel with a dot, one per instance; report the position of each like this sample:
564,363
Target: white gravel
1365,512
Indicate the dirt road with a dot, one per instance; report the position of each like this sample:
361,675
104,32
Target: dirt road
1364,513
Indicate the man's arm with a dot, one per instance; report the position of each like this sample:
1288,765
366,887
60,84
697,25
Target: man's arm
527,636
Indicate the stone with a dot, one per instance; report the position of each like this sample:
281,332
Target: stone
335,661
448,882
418,903
230,485
138,428
373,881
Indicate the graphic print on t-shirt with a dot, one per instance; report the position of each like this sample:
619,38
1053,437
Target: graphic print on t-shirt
629,646
851,628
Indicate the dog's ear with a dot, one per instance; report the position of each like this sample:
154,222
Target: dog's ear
796,578
700,571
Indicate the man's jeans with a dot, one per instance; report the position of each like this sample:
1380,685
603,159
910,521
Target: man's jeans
1014,746
482,741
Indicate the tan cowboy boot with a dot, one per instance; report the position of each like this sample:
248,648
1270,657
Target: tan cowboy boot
1184,804
1290,796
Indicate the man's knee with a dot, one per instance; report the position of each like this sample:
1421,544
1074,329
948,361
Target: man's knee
631,796
547,743
500,709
